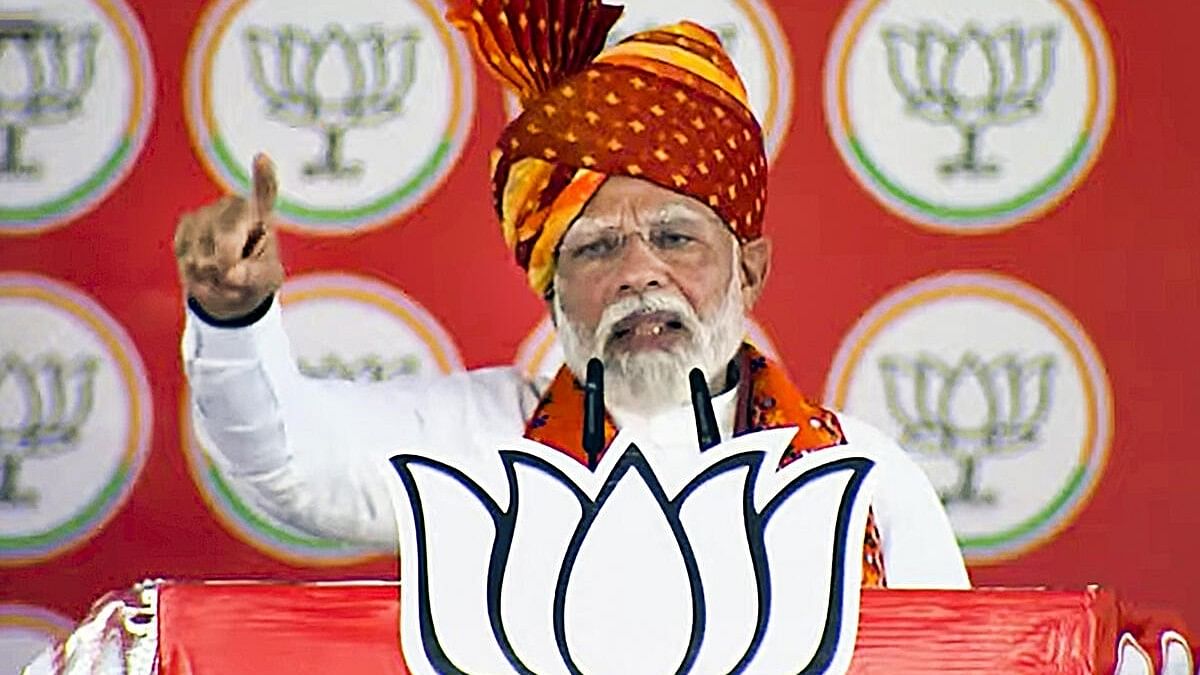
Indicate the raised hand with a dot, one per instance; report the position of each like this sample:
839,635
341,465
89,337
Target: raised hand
228,250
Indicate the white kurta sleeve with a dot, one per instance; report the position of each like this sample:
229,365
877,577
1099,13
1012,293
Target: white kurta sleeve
315,451
919,546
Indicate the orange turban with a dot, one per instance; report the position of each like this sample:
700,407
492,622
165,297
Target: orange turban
665,105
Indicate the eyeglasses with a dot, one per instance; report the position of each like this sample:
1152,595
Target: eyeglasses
672,241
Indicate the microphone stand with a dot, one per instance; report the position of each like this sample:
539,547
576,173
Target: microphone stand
593,413
707,431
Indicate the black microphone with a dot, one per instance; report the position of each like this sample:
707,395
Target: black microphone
593,412
707,431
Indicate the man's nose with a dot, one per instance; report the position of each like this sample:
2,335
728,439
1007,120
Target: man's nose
641,269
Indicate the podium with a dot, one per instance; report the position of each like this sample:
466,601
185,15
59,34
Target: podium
235,627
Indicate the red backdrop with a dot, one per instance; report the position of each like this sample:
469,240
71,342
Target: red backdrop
1120,252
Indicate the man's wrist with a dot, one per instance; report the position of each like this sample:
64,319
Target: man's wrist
243,321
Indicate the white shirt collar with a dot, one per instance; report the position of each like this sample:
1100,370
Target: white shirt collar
674,430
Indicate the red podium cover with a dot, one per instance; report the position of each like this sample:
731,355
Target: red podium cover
301,629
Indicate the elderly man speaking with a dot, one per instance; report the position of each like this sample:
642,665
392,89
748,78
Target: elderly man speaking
632,191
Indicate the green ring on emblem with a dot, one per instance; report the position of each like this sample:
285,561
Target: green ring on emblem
46,542
1031,524
80,193
260,524
325,215
963,213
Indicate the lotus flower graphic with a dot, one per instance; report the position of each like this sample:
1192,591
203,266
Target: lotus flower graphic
1014,68
969,411
333,80
534,564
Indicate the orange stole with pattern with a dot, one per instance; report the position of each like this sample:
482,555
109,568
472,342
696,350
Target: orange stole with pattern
766,400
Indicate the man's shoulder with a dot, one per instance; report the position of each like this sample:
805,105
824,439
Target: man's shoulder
469,411
505,375
487,381
872,439
494,389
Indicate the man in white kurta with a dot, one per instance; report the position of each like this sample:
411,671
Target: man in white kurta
315,451
632,192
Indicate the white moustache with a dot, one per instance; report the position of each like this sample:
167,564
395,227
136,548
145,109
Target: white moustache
654,301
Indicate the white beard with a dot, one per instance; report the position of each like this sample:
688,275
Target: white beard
651,381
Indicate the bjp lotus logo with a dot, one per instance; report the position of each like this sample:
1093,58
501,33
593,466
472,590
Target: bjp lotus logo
969,118
1016,62
998,393
377,68
969,411
368,368
715,564
56,399
330,90
75,418
76,102
54,87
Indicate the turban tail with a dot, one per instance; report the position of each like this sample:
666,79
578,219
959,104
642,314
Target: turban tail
665,105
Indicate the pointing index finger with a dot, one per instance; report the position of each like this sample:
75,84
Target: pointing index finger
266,190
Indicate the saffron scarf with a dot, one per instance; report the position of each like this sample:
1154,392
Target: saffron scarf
766,400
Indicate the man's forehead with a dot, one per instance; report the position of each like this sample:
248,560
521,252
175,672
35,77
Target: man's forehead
622,197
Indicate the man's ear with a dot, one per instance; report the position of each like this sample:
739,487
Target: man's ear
756,263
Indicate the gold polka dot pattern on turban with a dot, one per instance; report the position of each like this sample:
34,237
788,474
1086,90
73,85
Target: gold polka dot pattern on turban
665,105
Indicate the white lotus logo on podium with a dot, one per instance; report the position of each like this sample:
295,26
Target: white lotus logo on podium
534,564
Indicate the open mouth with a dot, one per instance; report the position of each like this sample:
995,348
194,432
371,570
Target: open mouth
647,328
